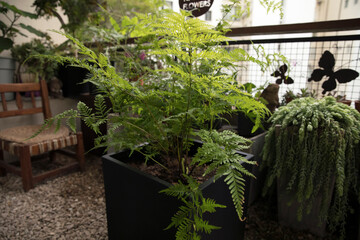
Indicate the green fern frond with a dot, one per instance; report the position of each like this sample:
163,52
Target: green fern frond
204,226
209,205
178,190
100,106
236,185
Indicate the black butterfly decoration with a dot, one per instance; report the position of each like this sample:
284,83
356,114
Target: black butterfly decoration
281,73
326,64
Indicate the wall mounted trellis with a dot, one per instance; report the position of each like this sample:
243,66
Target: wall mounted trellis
303,55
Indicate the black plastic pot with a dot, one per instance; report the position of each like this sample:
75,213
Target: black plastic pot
245,126
136,210
256,184
287,214
72,78
88,134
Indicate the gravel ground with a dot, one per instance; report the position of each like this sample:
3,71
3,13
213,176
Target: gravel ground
72,207
67,207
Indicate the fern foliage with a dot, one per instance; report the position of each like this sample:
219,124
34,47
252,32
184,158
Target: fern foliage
314,145
220,153
189,83
189,219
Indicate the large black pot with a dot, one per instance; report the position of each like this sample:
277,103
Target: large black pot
72,78
136,210
89,135
245,126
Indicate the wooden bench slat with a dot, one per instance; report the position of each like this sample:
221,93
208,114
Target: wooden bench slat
19,102
33,99
21,112
3,100
11,168
57,171
19,87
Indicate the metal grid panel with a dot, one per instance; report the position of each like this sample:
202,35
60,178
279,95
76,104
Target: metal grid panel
303,55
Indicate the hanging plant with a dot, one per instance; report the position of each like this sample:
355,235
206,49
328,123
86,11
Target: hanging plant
311,144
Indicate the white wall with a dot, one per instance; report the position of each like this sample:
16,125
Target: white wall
352,10
40,24
299,11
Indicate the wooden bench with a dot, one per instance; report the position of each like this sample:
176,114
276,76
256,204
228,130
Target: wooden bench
17,140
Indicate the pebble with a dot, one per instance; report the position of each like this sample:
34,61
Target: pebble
67,207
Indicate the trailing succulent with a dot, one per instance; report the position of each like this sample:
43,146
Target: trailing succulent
177,99
314,145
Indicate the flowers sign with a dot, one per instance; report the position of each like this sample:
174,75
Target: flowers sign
197,7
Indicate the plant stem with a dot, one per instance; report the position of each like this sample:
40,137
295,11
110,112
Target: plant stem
186,120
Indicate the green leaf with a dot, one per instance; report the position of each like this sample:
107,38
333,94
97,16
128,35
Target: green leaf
18,11
5,43
33,30
3,26
114,24
72,123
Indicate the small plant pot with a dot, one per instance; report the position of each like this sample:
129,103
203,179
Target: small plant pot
288,206
288,99
347,102
245,126
357,107
72,79
136,210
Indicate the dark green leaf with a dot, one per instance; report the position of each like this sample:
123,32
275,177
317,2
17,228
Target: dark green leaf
33,30
5,43
18,11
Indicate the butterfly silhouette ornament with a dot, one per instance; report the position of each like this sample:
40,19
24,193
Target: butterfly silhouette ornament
327,64
281,73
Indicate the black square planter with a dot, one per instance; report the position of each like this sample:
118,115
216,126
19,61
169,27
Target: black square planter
136,210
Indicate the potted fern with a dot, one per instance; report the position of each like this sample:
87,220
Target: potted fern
158,122
312,149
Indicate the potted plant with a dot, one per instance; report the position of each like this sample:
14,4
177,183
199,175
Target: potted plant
156,121
312,150
9,30
32,69
305,92
288,97
342,99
